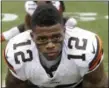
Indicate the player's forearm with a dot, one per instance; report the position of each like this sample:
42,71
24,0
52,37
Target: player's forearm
100,84
16,86
94,86
12,82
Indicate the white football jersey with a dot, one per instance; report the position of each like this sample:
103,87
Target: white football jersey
81,54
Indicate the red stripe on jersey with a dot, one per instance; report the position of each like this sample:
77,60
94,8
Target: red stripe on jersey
98,55
2,38
9,65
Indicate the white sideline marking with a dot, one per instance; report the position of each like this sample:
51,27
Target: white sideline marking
87,18
86,13
81,13
106,17
9,17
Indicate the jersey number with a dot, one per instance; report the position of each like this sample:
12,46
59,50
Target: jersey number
22,54
83,47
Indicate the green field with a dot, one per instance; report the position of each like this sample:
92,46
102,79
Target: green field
98,9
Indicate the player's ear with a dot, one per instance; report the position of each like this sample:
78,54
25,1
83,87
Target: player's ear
32,36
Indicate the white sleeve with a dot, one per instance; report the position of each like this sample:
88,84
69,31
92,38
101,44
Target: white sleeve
11,33
93,56
17,70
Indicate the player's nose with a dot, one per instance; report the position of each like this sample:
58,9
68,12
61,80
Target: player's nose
50,46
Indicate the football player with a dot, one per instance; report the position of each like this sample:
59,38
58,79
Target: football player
52,55
30,6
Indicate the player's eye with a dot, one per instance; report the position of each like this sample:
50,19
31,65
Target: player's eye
41,40
57,38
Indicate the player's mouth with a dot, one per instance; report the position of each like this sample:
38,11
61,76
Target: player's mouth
52,54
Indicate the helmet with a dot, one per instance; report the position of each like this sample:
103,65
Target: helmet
30,6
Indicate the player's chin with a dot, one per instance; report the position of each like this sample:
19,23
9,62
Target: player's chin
52,56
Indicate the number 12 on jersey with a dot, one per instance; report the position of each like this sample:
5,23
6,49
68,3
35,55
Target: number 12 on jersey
22,54
83,47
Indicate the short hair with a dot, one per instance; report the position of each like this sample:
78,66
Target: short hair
45,15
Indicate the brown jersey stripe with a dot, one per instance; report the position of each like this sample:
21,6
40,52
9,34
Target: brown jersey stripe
9,65
98,55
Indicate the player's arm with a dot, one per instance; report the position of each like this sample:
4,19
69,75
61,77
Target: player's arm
16,77
13,82
12,32
96,78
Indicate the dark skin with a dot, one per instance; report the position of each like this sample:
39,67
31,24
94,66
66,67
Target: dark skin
49,40
95,79
12,82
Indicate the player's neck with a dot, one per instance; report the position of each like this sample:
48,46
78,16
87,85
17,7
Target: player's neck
49,63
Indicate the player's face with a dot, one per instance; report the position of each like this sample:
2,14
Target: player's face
49,40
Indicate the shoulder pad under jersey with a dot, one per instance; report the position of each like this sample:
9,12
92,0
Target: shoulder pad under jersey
85,48
17,52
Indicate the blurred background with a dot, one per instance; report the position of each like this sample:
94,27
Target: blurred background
90,15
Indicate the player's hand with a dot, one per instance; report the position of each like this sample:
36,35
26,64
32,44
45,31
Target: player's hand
2,38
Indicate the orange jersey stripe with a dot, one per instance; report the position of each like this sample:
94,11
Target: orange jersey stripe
2,38
98,55
9,65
